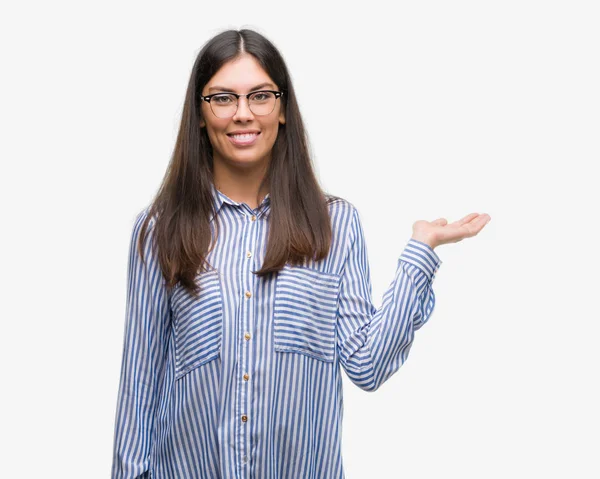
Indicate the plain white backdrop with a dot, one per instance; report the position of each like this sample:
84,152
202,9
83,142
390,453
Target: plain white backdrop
417,110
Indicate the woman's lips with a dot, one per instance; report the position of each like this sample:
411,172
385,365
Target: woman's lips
246,139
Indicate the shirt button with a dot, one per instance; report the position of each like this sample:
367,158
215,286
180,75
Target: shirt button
247,336
245,459
253,217
248,294
246,377
244,418
248,254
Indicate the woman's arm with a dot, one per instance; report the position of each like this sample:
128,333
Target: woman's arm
146,329
373,343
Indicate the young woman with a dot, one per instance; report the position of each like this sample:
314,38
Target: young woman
249,287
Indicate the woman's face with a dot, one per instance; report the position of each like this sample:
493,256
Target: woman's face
241,76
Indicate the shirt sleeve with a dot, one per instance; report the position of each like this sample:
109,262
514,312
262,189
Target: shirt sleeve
146,323
373,343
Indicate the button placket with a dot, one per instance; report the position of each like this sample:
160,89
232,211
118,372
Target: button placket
247,326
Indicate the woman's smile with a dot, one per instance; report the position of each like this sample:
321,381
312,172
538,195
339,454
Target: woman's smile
243,138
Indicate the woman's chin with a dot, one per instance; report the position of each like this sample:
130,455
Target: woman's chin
248,159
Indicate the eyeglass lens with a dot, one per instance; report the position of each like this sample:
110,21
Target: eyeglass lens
224,105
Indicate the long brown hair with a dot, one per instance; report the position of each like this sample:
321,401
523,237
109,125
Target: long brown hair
299,226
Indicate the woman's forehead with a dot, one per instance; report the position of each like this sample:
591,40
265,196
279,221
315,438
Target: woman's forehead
227,88
242,74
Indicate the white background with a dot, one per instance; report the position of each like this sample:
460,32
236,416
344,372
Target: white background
415,110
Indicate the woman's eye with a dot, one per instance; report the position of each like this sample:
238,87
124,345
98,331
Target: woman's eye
224,99
262,96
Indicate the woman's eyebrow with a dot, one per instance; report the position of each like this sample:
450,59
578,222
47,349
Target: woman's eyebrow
257,87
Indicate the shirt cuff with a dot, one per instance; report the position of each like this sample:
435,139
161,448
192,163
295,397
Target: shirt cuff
422,256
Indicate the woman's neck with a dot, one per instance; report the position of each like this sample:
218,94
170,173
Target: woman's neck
240,185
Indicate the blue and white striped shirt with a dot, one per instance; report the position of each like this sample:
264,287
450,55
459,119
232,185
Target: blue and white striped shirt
245,382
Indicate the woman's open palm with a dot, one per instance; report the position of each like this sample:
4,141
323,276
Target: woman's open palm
438,232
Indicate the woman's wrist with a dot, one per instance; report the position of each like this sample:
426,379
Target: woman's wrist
427,241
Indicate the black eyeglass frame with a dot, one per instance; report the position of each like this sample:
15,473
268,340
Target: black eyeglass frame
237,96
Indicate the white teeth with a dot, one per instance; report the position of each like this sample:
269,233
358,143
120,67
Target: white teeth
245,136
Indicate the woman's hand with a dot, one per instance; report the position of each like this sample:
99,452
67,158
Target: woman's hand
439,232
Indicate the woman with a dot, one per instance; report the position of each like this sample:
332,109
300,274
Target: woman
248,286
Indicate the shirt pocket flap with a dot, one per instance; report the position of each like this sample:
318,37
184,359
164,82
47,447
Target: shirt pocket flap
198,323
305,312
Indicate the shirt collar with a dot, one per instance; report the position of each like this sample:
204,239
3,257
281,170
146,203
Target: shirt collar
220,198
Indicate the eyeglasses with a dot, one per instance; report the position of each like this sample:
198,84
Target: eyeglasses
225,105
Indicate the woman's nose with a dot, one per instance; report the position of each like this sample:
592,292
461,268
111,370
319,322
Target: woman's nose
243,112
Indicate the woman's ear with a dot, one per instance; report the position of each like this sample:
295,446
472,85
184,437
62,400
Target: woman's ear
282,117
202,123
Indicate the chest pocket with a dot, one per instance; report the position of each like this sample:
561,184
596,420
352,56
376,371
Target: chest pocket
197,323
305,312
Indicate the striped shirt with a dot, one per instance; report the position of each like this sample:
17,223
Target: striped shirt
245,382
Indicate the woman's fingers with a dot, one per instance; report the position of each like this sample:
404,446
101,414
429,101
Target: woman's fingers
466,219
476,224
466,227
440,232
